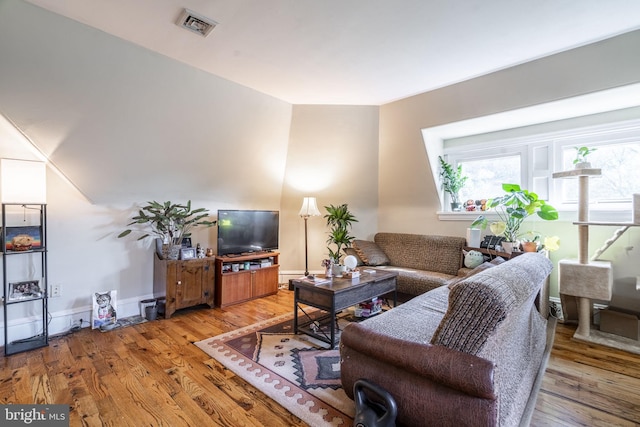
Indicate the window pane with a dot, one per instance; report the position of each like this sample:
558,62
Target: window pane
486,176
620,173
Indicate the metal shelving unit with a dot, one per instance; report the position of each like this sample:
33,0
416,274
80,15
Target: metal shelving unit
24,291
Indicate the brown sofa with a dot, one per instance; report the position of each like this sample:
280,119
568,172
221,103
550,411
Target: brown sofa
468,354
423,262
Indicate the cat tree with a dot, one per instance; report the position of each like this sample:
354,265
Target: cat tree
587,279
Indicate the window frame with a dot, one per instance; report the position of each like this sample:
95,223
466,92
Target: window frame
475,148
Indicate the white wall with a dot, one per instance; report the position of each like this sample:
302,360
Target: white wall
126,126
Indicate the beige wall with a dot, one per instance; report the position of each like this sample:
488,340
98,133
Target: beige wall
408,193
333,156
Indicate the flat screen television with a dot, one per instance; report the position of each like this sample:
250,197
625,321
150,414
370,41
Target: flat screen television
242,231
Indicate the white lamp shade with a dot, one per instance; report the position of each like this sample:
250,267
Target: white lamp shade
309,207
23,181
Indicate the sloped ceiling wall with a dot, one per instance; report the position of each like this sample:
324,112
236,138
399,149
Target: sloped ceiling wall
127,125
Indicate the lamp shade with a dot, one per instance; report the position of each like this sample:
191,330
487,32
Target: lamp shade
309,207
23,181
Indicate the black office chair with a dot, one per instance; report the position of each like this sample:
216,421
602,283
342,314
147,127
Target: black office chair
370,413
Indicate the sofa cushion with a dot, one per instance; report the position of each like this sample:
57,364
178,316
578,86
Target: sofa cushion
417,282
415,320
479,303
370,253
441,254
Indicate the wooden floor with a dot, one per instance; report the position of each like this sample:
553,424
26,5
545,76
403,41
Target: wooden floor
150,374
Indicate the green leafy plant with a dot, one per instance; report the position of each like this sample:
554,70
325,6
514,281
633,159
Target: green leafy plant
530,236
168,221
514,207
582,153
339,220
550,243
453,179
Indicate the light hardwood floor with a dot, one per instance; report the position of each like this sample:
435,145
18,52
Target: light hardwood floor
150,374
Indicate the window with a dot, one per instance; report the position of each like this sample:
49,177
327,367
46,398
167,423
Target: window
531,161
485,176
620,173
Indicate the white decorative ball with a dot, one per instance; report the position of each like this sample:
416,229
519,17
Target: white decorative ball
473,259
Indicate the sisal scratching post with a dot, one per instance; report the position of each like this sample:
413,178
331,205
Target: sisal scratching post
584,303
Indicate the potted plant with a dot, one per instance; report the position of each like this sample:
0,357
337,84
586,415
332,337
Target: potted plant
339,220
530,241
169,223
452,182
581,161
513,208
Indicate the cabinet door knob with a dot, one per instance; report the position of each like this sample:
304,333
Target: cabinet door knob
179,282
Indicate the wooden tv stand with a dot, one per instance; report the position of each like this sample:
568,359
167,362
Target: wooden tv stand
261,279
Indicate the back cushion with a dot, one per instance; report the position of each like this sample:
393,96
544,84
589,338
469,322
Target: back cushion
478,304
442,254
370,253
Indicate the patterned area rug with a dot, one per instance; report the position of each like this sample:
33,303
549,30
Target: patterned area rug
297,371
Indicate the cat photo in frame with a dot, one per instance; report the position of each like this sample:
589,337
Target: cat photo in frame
104,309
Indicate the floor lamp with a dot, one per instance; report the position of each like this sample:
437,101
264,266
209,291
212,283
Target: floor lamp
309,208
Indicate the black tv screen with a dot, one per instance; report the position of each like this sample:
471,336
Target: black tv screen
242,231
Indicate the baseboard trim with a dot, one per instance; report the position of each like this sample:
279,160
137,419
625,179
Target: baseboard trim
61,321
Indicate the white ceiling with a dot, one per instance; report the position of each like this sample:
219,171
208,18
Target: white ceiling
360,52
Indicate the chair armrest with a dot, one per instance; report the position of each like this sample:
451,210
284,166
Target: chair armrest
457,370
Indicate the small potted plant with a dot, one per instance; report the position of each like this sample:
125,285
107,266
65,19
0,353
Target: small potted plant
452,182
169,223
530,241
339,220
581,162
513,208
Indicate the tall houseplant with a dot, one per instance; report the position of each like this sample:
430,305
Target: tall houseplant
169,222
452,182
513,208
339,220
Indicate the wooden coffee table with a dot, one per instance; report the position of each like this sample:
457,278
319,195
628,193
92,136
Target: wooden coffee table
337,295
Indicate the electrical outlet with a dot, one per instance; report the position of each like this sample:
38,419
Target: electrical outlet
56,291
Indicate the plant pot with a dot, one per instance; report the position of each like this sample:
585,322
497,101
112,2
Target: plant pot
338,270
583,165
455,207
167,251
510,247
529,246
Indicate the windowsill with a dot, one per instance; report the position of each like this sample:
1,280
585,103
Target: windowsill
596,214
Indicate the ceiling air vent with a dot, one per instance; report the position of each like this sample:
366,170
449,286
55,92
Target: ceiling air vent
197,23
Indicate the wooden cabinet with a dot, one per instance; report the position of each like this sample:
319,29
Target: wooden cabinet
255,276
185,283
